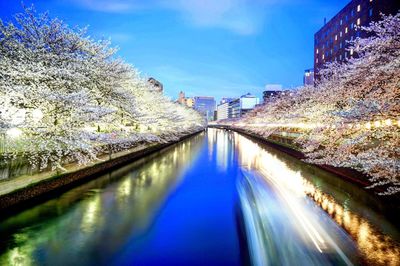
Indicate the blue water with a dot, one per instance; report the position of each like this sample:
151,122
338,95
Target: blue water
174,208
196,225
218,198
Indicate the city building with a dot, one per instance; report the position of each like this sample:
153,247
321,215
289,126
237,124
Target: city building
308,79
271,91
181,98
240,106
189,102
223,108
205,105
330,42
156,84
223,111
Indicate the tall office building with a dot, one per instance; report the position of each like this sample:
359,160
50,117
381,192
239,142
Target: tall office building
330,41
223,108
242,105
205,105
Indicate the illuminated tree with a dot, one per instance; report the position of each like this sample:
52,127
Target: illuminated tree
68,98
351,118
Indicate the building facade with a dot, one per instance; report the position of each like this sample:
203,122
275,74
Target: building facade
223,111
156,84
331,41
189,102
205,105
240,106
308,78
181,98
271,91
223,108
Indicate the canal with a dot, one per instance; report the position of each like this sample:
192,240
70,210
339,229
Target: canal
218,198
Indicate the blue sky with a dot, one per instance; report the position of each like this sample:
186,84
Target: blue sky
221,48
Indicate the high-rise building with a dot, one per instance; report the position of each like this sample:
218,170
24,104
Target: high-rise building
156,84
330,42
222,111
308,79
240,106
205,105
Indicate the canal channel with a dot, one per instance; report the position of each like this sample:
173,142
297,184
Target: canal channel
218,198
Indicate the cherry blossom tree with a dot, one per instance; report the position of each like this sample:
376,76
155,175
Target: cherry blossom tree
351,117
69,99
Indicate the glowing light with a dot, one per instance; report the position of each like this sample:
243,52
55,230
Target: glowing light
14,132
37,115
377,123
388,122
368,125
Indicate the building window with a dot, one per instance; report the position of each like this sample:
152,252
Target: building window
340,34
345,54
358,8
358,21
340,45
317,51
370,12
340,57
351,51
316,61
336,37
346,30
341,21
323,57
351,25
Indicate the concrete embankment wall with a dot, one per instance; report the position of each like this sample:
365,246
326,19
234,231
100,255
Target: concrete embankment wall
31,191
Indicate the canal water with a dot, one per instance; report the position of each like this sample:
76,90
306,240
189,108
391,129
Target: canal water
218,198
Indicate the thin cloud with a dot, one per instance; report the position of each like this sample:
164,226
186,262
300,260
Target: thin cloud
239,16
115,6
244,17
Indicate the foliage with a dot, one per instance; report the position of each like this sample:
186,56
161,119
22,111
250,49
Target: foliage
69,99
351,117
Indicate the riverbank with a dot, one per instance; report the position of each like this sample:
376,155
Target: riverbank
22,190
347,174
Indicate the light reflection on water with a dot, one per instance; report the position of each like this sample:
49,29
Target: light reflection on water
116,206
290,187
303,211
